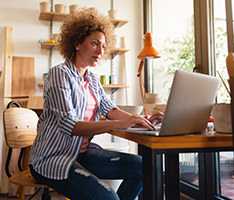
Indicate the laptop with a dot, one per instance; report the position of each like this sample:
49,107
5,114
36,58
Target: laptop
189,105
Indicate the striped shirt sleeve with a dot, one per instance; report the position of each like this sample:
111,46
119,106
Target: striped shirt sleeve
60,96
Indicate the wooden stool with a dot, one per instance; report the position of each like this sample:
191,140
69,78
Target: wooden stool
20,131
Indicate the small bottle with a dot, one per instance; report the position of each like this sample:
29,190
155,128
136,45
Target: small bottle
210,124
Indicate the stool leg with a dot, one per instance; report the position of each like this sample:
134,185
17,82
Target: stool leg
46,194
20,192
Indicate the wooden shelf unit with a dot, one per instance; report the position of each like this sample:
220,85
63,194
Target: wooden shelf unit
59,17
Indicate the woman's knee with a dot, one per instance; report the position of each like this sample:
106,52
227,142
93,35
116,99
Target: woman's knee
138,164
134,164
88,186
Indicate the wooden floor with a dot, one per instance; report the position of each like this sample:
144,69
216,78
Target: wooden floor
55,196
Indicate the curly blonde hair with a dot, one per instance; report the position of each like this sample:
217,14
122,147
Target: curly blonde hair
78,26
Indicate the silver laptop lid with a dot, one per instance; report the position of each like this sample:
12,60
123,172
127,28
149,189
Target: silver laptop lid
189,104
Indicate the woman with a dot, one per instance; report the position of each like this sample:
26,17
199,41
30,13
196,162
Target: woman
62,156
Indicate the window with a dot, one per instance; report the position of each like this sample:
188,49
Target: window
173,37
188,34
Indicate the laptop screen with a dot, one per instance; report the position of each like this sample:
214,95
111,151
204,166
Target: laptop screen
189,104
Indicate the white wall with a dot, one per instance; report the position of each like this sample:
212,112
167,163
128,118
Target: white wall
23,16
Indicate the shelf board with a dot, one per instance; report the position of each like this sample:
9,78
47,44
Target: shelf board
16,97
119,22
49,16
59,17
114,86
49,46
119,51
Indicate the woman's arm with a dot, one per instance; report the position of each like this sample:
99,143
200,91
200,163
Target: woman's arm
89,128
118,119
115,113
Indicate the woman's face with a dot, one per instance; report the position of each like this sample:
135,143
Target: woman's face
91,50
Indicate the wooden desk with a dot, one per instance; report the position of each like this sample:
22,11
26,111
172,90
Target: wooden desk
152,149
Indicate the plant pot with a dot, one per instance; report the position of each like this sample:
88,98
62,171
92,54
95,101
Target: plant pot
160,108
152,98
73,8
45,6
222,117
55,37
113,14
60,8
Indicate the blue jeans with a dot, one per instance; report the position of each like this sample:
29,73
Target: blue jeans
84,178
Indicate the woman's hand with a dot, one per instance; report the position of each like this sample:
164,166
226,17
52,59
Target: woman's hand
135,120
156,118
118,119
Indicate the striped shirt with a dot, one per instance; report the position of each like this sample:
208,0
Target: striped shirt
65,103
